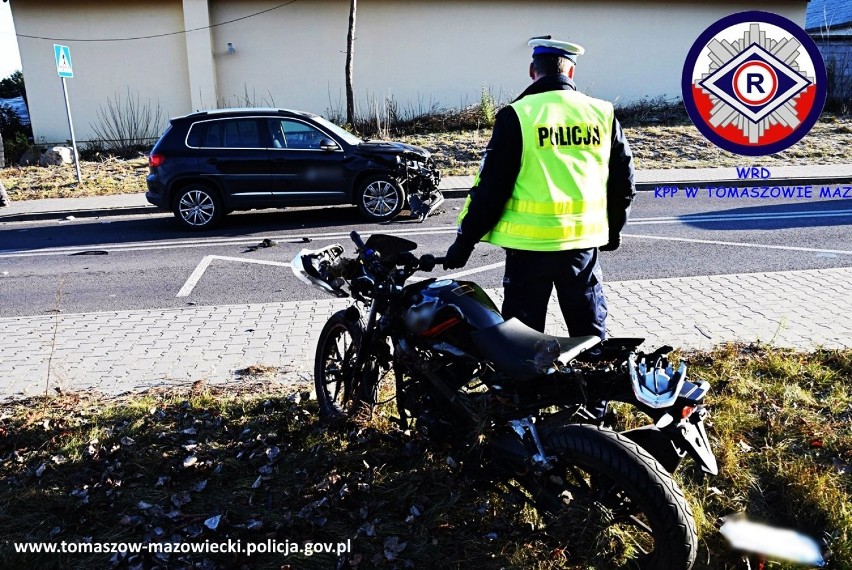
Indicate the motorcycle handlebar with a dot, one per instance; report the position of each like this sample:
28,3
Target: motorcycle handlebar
367,254
425,263
428,262
357,239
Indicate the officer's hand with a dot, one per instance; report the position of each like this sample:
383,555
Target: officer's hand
614,243
457,255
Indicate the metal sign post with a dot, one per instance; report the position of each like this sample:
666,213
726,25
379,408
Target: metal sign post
64,69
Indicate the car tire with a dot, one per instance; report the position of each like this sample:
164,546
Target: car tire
380,198
198,207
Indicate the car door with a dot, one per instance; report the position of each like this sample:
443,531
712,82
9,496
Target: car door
234,156
307,174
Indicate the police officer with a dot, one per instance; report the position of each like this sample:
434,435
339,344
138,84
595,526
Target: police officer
555,187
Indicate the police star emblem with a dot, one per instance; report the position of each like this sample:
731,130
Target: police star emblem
754,83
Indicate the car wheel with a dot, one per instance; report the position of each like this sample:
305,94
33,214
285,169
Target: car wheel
380,198
197,207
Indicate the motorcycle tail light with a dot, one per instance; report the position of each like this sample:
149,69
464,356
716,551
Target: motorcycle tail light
686,411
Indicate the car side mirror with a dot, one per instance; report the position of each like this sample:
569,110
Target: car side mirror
329,145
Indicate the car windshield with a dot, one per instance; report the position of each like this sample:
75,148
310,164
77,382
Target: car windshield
345,135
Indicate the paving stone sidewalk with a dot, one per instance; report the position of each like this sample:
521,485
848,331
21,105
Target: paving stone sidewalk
121,351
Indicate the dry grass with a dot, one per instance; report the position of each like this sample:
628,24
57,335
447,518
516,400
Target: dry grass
782,425
830,142
669,146
102,178
73,467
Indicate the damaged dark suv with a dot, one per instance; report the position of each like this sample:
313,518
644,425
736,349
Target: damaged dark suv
210,163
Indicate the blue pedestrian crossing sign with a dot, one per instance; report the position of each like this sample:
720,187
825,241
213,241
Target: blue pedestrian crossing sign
63,60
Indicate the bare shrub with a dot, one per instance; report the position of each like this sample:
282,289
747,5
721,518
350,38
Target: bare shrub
127,126
248,100
652,111
384,117
839,70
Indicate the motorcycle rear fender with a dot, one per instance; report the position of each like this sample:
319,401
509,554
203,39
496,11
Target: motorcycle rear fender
673,442
694,439
509,447
658,444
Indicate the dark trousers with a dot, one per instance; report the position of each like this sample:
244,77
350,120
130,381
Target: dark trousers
531,276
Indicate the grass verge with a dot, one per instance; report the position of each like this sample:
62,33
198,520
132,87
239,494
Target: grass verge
207,464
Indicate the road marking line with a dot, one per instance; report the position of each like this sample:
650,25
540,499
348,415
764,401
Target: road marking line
205,262
248,260
195,276
473,271
740,244
464,273
690,218
770,214
435,230
212,242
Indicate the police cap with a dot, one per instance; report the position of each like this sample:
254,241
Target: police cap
545,45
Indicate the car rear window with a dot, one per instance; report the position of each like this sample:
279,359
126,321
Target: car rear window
229,133
193,139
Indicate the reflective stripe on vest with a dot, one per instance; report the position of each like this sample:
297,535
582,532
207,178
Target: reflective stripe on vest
559,198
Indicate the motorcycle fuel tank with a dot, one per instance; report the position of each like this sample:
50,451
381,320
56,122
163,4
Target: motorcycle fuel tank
438,306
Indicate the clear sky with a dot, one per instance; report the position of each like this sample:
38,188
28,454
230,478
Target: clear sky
10,59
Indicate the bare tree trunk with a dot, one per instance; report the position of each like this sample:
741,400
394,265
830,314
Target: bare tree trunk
2,153
350,49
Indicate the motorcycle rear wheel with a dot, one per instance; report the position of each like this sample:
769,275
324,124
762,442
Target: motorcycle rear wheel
609,501
338,393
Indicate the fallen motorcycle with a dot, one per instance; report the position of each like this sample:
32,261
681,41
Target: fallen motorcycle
513,405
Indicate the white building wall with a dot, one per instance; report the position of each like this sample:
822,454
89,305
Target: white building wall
199,54
420,52
446,51
155,69
289,57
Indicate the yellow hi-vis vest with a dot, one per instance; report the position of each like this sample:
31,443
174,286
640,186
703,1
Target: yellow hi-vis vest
559,199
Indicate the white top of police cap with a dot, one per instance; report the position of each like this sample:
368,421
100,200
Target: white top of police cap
547,45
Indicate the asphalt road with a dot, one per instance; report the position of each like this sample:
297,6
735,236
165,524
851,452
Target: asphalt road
143,262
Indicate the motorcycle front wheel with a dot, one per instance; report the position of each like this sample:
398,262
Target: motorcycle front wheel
607,501
338,393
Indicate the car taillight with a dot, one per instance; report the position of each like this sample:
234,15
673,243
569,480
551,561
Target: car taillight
155,160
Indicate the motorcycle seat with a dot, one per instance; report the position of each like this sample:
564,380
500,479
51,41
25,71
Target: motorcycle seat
515,349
